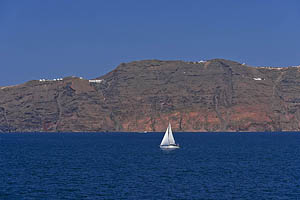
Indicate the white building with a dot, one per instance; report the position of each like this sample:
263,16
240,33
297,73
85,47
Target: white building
95,81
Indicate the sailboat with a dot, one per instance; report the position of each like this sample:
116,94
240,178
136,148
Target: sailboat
168,141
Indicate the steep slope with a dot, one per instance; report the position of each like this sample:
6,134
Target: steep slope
216,95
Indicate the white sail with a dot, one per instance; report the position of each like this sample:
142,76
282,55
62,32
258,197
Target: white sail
171,138
168,141
168,138
165,140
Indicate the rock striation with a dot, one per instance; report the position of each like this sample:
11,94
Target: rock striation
215,95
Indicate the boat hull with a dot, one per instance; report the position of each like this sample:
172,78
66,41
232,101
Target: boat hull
169,146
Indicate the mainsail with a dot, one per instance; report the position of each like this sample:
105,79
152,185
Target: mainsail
171,138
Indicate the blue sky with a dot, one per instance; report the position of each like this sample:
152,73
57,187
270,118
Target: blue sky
58,38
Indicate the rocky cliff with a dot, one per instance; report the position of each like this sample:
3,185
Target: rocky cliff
216,95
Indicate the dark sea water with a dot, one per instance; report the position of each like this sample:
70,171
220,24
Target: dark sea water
132,166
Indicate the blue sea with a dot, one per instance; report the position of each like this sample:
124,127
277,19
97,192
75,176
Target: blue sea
132,166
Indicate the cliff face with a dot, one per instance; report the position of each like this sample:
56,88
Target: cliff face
216,95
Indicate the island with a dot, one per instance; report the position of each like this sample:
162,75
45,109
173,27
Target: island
144,96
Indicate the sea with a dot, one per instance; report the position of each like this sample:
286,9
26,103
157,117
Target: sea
132,166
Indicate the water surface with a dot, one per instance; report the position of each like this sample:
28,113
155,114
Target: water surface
132,166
